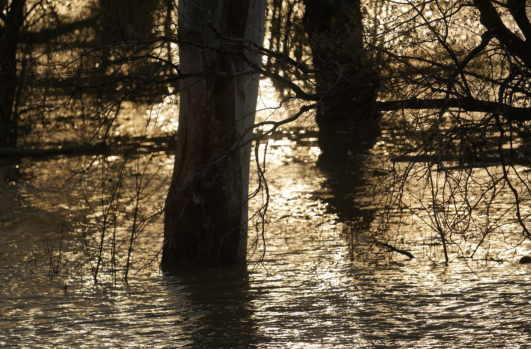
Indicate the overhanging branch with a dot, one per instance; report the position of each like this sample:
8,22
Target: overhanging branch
509,112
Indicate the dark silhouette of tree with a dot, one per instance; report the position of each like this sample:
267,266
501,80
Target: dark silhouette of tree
12,17
347,72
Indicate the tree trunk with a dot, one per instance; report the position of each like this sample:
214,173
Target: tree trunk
9,35
347,74
206,209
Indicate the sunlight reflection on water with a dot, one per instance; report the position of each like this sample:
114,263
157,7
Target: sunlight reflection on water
305,293
314,287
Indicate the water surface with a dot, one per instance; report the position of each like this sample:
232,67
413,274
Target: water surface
320,284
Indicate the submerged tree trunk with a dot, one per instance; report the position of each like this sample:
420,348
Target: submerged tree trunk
9,36
348,73
206,209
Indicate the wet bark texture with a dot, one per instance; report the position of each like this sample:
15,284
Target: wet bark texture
206,208
9,38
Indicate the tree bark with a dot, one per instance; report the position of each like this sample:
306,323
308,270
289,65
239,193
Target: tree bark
206,209
9,39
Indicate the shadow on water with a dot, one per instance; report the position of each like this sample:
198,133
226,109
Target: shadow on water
224,299
342,159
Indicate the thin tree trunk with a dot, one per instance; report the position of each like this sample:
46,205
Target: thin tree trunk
206,209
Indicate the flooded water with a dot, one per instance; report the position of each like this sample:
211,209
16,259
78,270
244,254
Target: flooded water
319,283
320,277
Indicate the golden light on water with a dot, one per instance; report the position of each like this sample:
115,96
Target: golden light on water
305,291
322,283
